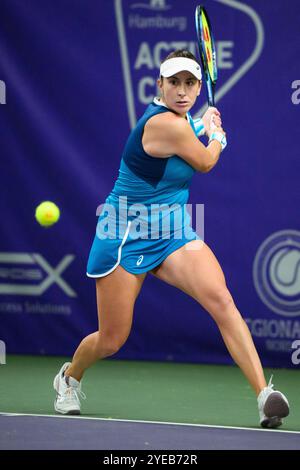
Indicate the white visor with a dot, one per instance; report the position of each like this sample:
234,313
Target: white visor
178,64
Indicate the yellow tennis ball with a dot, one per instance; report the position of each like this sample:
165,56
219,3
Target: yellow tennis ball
47,213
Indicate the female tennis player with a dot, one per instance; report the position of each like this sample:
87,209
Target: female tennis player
161,155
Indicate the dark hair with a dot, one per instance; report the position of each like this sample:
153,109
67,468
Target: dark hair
180,53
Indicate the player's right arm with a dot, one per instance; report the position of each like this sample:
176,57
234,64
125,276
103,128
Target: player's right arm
169,134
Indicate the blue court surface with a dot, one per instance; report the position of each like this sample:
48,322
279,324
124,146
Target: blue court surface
33,432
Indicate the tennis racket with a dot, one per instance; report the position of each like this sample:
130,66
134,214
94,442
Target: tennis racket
207,52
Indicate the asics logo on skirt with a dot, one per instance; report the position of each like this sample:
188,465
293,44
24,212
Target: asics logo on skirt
140,260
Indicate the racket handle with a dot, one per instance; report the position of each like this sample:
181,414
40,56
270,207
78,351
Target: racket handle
211,93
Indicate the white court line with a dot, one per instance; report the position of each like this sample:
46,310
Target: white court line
3,413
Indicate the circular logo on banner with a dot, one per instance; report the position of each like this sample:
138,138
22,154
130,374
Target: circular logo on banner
276,272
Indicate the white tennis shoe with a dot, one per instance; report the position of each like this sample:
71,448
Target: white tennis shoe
68,393
272,406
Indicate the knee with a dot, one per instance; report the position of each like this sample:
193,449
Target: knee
220,304
223,298
108,345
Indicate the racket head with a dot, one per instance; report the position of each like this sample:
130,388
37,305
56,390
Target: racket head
207,50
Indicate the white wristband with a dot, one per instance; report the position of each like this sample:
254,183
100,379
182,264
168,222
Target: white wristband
219,137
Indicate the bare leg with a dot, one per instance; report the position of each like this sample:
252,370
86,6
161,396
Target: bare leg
116,296
237,337
198,273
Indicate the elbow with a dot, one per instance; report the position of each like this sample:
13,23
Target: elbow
205,168
208,162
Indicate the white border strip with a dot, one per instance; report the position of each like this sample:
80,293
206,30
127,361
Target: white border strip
125,63
119,256
215,426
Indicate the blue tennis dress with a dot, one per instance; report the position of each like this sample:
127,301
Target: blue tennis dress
145,217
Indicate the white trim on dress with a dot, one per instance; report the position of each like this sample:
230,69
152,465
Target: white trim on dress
119,255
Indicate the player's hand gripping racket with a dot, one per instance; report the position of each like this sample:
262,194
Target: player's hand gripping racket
207,52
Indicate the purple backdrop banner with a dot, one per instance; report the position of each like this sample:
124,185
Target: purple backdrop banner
75,75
